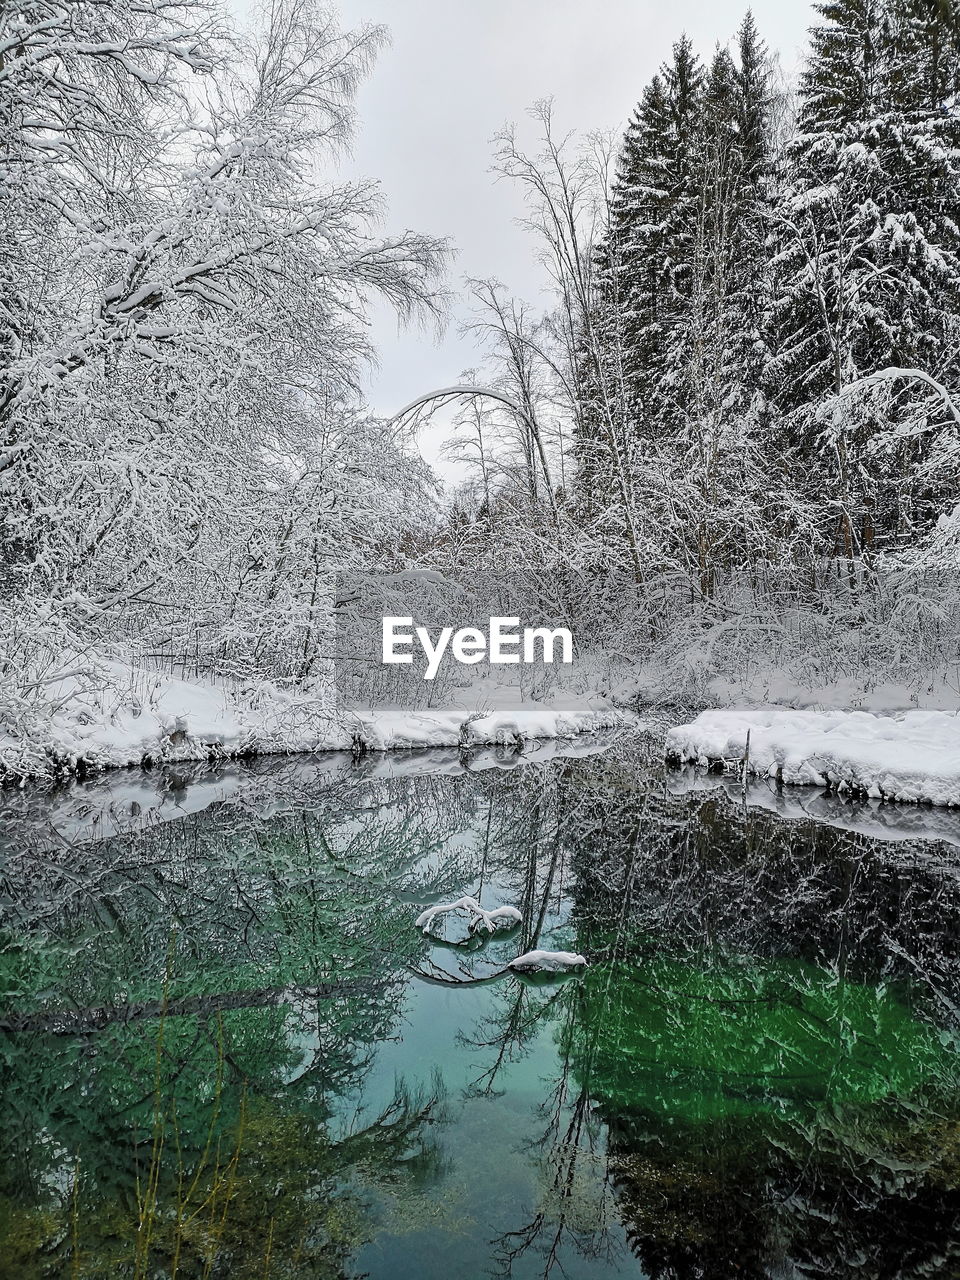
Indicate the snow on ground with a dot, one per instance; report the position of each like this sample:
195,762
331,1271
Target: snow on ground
101,713
931,693
97,713
485,716
657,682
914,755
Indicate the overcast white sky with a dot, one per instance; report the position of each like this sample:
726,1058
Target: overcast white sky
455,72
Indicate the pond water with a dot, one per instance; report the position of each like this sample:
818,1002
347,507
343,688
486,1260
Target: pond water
226,1051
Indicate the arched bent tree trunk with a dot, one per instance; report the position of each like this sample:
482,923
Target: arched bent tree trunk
523,415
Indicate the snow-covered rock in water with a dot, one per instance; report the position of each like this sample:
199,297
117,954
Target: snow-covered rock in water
914,756
490,920
547,961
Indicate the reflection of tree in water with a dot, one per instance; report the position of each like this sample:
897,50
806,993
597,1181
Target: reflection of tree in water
182,1011
775,1104
718,1200
760,949
179,1148
575,1204
185,1012
532,826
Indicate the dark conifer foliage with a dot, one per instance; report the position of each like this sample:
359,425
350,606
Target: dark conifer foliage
786,276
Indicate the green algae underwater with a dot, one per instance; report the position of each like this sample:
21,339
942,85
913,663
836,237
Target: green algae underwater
747,1039
225,1050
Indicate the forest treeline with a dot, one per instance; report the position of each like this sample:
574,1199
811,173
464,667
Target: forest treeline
751,369
732,431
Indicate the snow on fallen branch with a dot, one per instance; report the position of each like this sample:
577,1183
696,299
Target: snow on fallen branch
481,919
529,962
547,961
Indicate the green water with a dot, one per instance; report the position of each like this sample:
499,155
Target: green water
225,1050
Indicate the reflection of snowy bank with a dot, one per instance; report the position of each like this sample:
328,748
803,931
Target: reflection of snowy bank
846,812
127,801
452,762
914,756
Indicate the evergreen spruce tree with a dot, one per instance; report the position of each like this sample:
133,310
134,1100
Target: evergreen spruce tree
689,220
869,261
753,213
636,245
653,234
684,267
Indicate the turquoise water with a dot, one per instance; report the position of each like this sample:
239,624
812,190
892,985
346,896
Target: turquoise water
226,1051
505,1187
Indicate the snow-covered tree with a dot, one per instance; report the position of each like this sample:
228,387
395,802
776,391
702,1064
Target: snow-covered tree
181,444
869,259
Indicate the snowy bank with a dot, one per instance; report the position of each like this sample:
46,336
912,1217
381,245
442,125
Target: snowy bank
87,713
914,756
94,713
497,716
